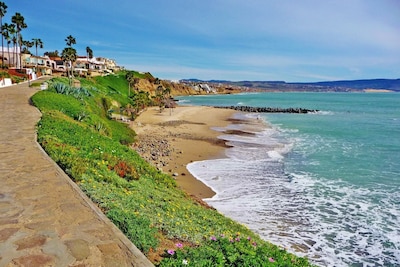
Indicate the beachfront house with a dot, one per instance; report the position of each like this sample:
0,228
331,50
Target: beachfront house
58,65
28,65
11,56
94,66
40,65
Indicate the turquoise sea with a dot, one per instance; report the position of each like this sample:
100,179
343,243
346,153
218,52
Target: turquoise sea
325,185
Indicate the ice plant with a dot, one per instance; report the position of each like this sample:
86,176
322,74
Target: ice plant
171,251
179,245
271,259
213,238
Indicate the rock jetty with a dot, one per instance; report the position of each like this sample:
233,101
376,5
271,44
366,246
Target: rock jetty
269,109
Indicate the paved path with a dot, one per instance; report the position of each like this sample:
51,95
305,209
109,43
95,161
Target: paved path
45,219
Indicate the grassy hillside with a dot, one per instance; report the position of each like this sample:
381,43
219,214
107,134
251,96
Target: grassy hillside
171,228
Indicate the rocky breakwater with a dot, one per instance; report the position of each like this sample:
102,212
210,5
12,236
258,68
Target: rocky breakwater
269,109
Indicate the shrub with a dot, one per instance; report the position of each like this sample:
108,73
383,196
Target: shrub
124,170
51,101
136,228
64,89
230,251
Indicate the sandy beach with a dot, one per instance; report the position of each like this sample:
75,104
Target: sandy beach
172,139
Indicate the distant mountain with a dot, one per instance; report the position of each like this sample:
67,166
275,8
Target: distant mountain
337,86
388,84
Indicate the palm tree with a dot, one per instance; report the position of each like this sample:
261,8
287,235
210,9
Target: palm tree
144,99
15,53
6,32
70,40
37,43
89,52
3,11
160,97
168,101
20,24
69,55
141,100
89,55
9,32
52,53
130,77
26,45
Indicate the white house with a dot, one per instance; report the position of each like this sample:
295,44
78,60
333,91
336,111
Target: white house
11,56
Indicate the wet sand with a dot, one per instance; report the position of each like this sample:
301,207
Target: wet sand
172,139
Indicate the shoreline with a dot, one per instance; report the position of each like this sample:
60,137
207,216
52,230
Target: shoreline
174,138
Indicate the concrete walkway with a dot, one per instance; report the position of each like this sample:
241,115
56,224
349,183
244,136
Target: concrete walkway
45,219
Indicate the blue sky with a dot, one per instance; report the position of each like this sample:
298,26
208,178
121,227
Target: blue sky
287,40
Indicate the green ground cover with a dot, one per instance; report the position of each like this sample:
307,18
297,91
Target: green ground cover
77,132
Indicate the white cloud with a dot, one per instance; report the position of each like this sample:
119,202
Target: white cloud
232,39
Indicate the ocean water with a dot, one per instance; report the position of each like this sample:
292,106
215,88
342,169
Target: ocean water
324,185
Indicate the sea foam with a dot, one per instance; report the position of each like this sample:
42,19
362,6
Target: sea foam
308,216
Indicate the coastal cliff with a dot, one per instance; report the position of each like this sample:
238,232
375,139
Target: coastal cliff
164,222
147,83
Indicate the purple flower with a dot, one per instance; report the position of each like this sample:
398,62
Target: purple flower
237,239
254,244
249,238
271,259
213,238
179,245
171,251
